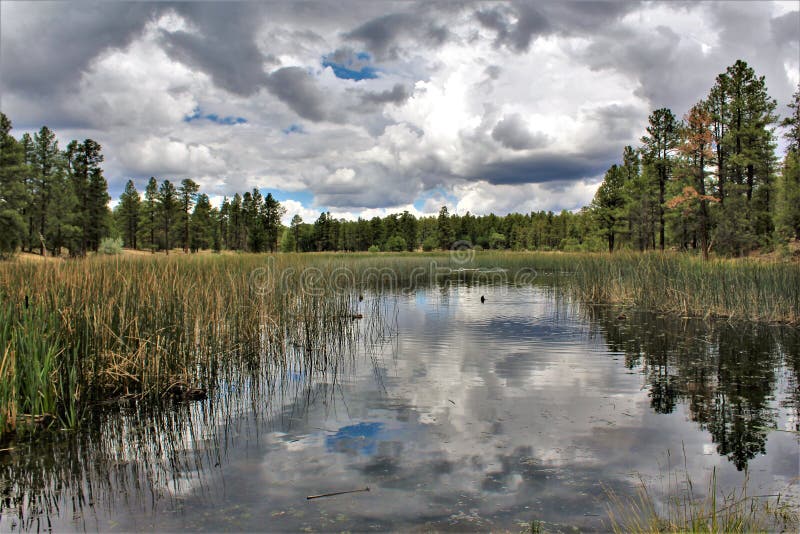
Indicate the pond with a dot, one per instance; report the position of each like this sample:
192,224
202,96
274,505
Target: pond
456,414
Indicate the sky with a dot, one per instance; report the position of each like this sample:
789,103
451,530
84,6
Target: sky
370,108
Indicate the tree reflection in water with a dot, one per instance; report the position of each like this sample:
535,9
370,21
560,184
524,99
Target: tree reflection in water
724,372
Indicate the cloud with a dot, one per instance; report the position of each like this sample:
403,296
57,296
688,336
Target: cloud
540,168
385,35
506,105
221,41
786,28
527,23
396,95
511,132
299,90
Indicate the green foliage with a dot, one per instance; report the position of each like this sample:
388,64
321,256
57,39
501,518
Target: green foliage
787,209
444,229
168,211
658,146
110,246
187,194
374,248
429,244
396,243
203,225
11,238
288,242
497,240
609,203
128,212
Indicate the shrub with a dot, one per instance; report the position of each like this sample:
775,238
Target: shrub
110,246
374,248
396,243
430,244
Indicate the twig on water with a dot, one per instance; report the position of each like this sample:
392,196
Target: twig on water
335,493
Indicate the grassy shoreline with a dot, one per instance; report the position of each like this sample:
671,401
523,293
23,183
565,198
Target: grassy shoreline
81,331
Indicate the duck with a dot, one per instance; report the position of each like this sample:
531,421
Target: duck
483,299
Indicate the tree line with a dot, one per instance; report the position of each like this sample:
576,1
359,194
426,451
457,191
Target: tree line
51,199
709,181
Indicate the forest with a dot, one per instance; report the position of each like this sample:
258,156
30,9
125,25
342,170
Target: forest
709,182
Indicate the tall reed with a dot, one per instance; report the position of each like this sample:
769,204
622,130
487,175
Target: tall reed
75,333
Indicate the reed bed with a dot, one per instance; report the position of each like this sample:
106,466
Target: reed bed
78,333
747,290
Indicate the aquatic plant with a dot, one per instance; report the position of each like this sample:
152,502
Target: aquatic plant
713,511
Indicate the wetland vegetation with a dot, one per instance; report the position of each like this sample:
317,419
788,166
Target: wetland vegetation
414,400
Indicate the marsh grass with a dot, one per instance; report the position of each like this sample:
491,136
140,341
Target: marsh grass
712,512
78,333
749,290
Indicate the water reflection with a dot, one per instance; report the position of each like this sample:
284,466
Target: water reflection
726,374
456,414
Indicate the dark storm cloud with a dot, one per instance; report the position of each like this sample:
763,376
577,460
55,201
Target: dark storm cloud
517,35
542,168
786,28
223,46
45,50
517,25
396,95
512,133
383,36
619,123
298,89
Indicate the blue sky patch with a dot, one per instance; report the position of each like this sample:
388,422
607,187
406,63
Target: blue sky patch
361,438
440,192
304,197
294,128
198,114
352,70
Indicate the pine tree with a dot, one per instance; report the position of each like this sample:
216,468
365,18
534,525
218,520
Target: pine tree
272,211
90,190
128,212
168,206
444,228
187,193
47,168
747,147
252,211
98,197
609,203
659,144
408,230
787,209
237,235
28,212
13,193
203,224
696,147
297,221
148,219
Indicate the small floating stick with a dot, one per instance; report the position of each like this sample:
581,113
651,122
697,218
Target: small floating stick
335,493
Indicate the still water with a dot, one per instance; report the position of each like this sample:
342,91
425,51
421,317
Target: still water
456,414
